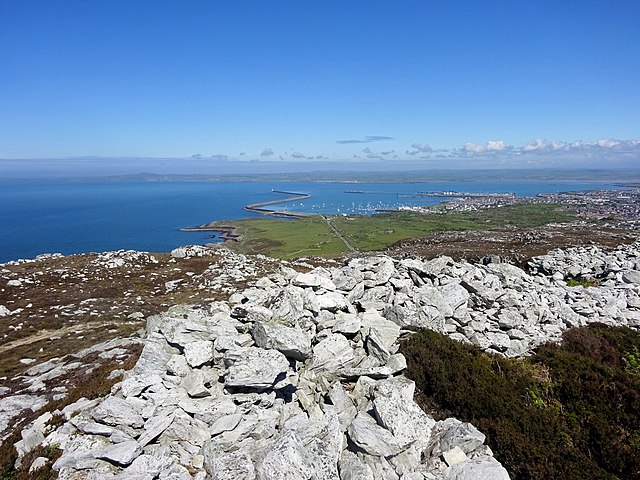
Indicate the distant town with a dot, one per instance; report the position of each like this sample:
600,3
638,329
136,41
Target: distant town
616,208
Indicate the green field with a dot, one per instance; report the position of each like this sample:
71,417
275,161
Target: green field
287,238
314,236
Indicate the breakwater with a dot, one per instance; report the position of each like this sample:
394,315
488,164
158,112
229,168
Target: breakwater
228,233
259,207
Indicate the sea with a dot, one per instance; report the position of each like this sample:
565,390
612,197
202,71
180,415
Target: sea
80,217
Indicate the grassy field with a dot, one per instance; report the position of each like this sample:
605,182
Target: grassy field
287,238
313,235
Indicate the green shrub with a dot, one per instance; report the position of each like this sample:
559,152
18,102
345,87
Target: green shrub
633,361
567,412
581,282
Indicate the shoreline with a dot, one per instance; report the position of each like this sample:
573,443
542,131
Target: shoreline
228,233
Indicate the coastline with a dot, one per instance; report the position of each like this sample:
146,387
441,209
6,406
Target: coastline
44,223
228,233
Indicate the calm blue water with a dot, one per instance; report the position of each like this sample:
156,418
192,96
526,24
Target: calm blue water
82,217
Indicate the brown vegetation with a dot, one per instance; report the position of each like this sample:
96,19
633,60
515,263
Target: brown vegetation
568,412
514,246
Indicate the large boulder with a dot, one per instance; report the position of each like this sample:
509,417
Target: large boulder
311,280
286,458
254,368
121,454
332,354
292,342
118,411
396,411
481,468
372,438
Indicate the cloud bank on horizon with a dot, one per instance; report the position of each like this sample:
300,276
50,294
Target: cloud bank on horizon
493,153
603,153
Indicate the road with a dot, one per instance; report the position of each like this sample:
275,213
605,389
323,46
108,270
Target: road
338,234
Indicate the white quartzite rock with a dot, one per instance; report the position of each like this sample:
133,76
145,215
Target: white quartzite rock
254,368
198,353
136,384
395,410
482,468
372,438
147,466
121,454
333,353
285,459
346,323
229,466
463,435
292,342
117,411
631,276
387,331
454,456
313,280
352,468
153,428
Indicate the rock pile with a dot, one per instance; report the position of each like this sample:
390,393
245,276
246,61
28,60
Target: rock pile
592,263
121,258
298,378
299,375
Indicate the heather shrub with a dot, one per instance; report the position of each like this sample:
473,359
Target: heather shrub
570,411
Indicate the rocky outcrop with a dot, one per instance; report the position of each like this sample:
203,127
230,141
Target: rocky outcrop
291,380
299,375
308,403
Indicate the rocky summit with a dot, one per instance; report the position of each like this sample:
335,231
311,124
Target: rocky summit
298,375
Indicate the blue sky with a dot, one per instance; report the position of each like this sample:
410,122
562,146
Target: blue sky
438,84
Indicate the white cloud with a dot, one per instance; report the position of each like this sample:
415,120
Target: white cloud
496,146
473,148
490,146
539,145
534,145
608,143
544,146
298,155
267,152
419,148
